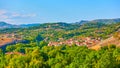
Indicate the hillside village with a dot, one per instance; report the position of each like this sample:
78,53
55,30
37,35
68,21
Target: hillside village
91,43
87,41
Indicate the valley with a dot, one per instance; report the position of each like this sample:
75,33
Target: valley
59,44
90,33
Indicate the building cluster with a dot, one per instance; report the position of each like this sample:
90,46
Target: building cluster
87,41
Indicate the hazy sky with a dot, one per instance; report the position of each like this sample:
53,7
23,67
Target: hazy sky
43,11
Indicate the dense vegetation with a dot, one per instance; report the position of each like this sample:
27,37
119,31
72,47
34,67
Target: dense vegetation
42,56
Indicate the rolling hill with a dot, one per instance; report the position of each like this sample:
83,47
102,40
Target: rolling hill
7,25
105,21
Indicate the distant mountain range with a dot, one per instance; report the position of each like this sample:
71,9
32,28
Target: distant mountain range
105,21
7,25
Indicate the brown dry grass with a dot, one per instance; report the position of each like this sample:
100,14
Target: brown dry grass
106,42
4,41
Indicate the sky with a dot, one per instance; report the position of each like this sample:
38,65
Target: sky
46,11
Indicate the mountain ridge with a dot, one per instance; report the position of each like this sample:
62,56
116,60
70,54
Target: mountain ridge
82,22
105,21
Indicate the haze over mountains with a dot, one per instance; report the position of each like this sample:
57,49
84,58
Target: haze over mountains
7,25
105,21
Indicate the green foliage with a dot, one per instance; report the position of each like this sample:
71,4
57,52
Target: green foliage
60,57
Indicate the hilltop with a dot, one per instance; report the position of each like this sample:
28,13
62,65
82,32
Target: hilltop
4,25
105,21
